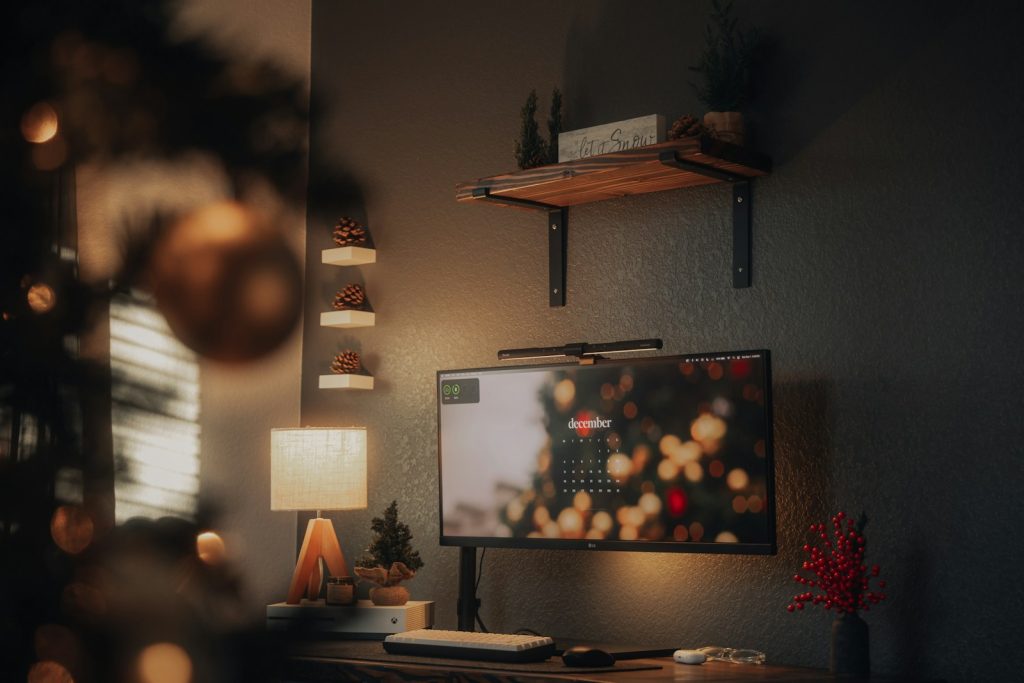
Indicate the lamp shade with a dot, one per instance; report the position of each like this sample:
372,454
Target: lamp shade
318,469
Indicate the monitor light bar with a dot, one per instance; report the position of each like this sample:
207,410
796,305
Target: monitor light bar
580,350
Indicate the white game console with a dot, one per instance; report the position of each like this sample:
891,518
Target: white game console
361,620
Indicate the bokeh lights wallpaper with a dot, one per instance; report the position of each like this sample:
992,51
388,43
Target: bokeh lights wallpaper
668,450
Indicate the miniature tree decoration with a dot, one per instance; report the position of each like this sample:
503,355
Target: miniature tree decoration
531,150
554,125
389,559
391,543
725,62
841,581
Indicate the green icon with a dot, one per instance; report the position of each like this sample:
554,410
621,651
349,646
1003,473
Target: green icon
456,389
447,389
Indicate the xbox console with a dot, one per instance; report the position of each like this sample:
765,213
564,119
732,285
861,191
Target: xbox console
363,620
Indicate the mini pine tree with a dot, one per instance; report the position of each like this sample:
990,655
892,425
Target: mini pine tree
531,150
726,61
554,125
391,543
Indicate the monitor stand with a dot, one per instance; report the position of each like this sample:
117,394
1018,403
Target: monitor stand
468,602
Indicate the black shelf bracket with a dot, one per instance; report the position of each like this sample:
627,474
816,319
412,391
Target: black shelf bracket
741,215
558,240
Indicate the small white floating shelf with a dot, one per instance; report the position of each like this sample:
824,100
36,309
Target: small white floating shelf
347,319
346,382
348,256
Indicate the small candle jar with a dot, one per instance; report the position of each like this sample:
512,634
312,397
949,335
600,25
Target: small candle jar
341,590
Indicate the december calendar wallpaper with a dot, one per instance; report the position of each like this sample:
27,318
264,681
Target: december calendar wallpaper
673,450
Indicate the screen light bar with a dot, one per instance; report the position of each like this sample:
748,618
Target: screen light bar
580,349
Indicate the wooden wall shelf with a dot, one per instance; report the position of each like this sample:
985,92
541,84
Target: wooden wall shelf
665,166
346,382
348,256
347,319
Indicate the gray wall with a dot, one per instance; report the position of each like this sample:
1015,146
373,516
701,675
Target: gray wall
886,284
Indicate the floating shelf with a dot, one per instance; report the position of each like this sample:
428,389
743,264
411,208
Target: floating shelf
347,319
348,256
665,166
346,382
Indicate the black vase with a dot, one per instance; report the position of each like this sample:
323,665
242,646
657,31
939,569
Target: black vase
850,653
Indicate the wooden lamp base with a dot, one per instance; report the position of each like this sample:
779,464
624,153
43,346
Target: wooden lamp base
320,541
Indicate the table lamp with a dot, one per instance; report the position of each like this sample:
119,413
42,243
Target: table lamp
317,469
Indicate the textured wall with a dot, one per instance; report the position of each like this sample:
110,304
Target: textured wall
886,247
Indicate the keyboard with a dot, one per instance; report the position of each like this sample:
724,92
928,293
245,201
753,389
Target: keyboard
485,647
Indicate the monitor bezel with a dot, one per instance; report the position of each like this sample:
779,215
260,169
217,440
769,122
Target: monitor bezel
767,548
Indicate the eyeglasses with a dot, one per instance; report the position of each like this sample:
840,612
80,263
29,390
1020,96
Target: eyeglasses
731,654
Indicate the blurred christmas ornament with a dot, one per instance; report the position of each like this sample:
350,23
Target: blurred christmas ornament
349,233
229,286
346,363
352,296
686,127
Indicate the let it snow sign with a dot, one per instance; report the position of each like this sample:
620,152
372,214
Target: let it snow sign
611,137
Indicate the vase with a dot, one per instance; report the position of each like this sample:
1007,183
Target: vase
850,652
389,596
727,126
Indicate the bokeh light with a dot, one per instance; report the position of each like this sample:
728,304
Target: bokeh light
668,470
570,523
71,528
581,501
716,468
565,392
602,522
515,510
737,479
693,472
39,124
41,298
686,452
49,672
696,531
164,663
650,503
619,466
755,504
739,505
58,644
210,548
726,537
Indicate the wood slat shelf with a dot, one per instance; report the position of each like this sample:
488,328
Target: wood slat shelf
655,168
620,174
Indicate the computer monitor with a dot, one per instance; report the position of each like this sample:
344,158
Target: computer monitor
670,454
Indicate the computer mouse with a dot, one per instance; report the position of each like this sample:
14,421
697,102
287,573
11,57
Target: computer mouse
581,655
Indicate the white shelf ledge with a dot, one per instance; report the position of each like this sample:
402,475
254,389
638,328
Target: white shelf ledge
347,319
346,382
348,256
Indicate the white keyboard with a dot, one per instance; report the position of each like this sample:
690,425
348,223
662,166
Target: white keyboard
489,647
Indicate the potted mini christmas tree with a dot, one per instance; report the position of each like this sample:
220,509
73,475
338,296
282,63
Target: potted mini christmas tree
389,559
724,68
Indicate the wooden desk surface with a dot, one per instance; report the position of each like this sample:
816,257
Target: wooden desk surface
354,661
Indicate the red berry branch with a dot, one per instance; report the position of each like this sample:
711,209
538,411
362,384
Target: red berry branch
840,579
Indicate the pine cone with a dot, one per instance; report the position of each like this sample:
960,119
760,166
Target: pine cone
348,232
686,127
352,296
346,363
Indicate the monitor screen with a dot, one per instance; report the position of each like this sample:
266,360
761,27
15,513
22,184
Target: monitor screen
665,454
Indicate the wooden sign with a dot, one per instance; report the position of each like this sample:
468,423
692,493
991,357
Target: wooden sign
611,137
